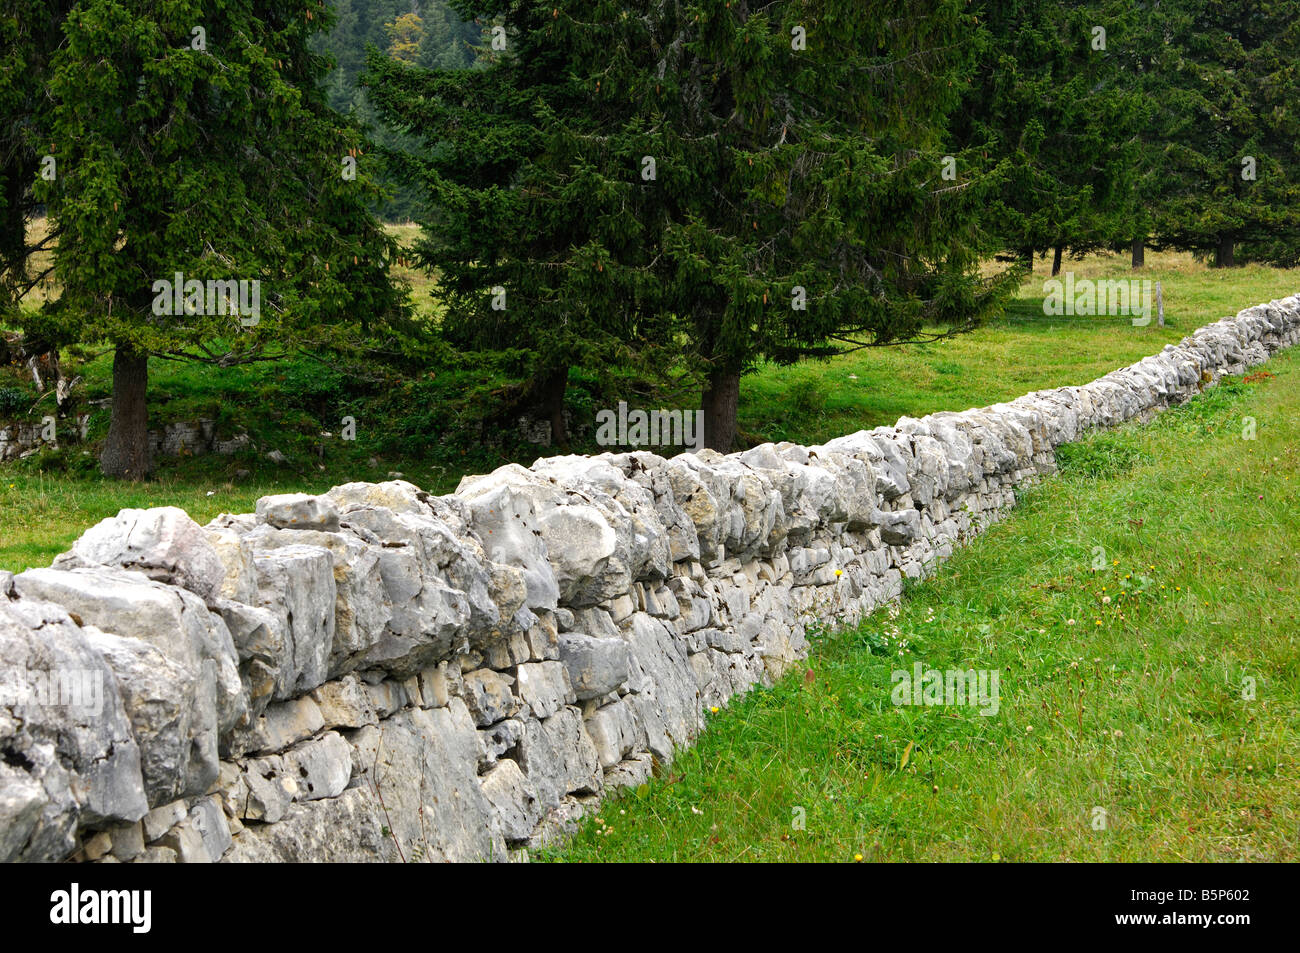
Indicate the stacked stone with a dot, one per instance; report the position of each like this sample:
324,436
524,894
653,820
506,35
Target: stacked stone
379,674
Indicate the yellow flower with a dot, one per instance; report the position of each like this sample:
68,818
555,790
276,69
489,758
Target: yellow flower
714,709
839,572
857,858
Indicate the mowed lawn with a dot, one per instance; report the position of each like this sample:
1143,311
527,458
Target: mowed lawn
1149,710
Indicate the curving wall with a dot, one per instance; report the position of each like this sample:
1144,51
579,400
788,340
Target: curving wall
381,674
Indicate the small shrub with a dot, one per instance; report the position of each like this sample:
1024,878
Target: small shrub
13,401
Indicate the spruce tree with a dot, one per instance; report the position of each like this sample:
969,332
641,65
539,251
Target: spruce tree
1052,108
745,182
1233,163
194,140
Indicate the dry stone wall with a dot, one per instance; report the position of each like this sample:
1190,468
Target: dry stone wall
381,674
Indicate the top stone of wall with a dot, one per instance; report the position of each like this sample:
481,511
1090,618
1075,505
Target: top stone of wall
378,674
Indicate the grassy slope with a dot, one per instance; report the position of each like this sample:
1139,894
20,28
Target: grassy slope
1135,706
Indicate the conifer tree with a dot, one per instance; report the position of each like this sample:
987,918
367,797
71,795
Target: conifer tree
195,141
1232,166
751,182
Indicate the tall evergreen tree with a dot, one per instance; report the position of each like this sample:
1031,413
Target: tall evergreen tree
1052,110
195,141
750,182
1233,164
536,221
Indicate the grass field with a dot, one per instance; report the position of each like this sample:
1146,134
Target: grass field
1126,690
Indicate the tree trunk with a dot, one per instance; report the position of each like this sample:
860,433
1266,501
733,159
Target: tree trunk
126,449
721,397
1223,253
1056,261
550,392
1139,248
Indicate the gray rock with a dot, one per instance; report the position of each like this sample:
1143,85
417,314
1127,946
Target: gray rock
175,730
296,584
346,829
163,818
488,695
70,758
559,757
344,703
543,687
163,543
321,767
596,667
298,511
175,621
517,809
424,762
281,725
900,528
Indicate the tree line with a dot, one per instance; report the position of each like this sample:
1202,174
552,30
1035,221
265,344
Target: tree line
687,188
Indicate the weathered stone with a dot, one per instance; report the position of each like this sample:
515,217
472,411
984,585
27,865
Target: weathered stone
344,703
426,759
281,726
488,695
346,829
163,543
543,687
517,809
615,732
69,755
321,767
296,584
900,528
162,818
175,621
298,511
269,789
596,666
175,729
559,757
499,740
127,841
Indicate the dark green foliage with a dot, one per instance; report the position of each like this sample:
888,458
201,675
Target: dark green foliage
1229,101
1053,119
780,172
215,156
